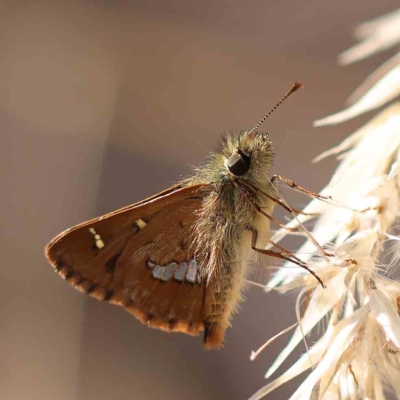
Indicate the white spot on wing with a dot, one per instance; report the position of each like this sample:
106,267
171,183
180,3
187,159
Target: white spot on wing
97,239
192,271
181,272
140,223
184,271
169,270
158,271
99,244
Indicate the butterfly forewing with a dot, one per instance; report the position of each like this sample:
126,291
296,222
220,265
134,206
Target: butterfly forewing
142,258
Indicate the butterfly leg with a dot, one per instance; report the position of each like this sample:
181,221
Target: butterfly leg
276,200
299,212
299,188
243,185
284,251
245,188
319,196
283,256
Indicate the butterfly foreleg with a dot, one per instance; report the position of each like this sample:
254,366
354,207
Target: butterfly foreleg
276,200
245,188
299,188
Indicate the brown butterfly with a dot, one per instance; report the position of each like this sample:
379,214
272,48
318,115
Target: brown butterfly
178,260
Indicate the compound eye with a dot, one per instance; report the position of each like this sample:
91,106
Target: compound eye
239,163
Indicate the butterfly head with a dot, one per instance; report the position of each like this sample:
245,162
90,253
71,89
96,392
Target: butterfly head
252,150
249,156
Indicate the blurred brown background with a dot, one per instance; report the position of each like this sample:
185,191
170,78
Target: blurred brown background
105,102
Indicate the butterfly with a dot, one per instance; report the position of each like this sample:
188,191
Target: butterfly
178,260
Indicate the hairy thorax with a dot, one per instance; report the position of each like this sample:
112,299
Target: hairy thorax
223,238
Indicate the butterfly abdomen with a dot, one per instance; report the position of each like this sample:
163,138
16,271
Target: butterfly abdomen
225,288
223,235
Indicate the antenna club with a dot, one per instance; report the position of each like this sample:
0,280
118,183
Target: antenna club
296,87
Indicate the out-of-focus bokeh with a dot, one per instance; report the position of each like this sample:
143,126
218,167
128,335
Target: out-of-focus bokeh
105,103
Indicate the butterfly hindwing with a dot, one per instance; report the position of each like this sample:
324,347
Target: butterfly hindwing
140,257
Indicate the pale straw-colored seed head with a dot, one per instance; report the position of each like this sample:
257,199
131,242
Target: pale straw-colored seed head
357,354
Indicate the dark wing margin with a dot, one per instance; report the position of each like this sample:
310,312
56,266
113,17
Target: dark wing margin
140,257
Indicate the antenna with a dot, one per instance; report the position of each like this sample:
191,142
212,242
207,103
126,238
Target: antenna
296,86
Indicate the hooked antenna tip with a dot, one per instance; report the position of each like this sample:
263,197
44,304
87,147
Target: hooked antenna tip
296,87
